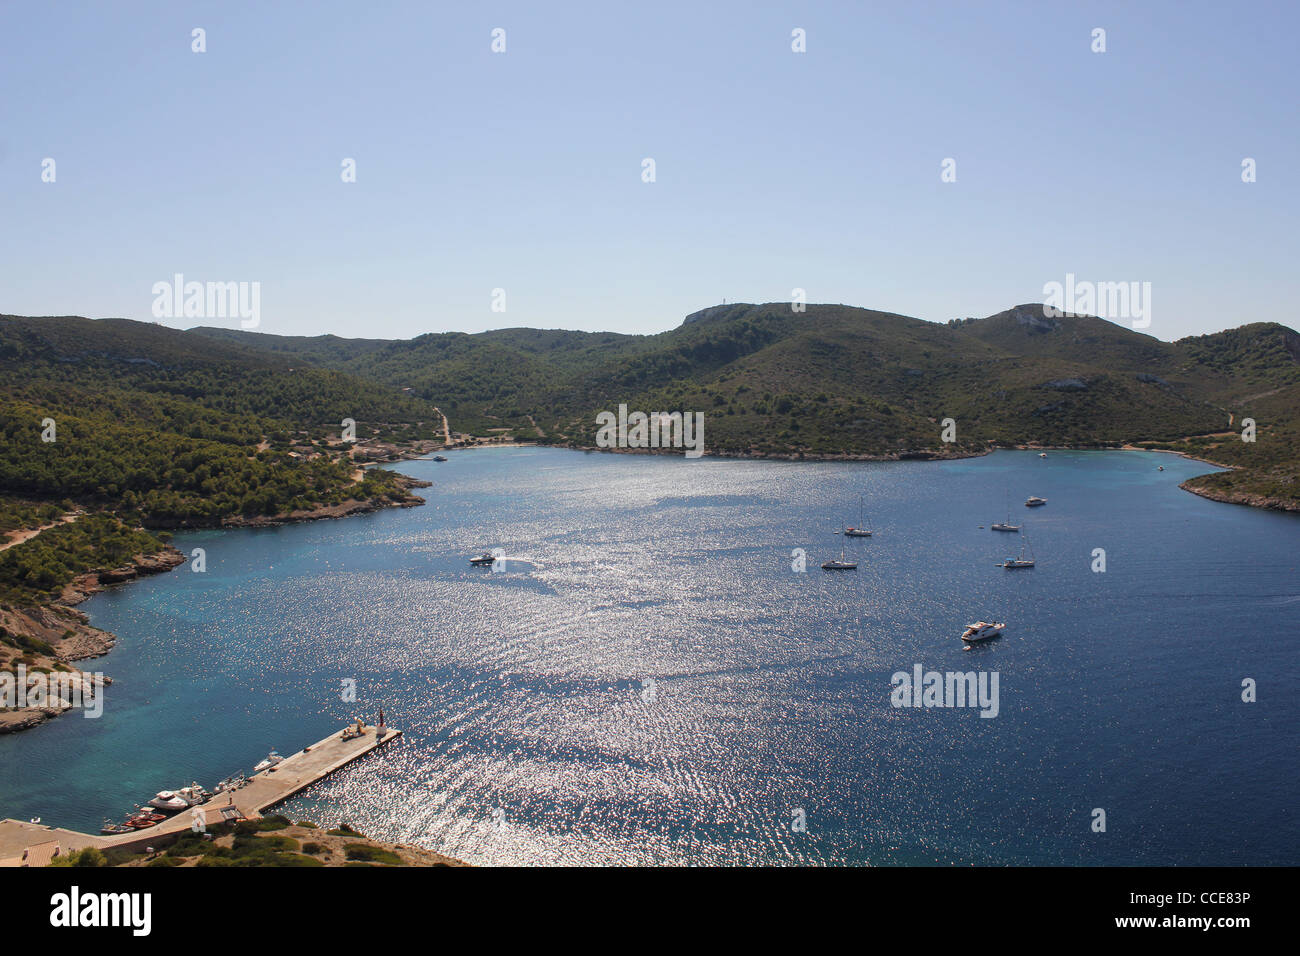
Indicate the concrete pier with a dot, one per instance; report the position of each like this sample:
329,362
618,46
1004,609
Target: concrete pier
23,844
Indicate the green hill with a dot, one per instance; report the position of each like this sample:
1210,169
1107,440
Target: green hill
839,380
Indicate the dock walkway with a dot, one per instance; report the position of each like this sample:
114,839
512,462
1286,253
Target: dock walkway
263,791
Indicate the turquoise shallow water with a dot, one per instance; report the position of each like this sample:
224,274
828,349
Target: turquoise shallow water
531,732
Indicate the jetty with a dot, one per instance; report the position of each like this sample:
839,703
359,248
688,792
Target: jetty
34,844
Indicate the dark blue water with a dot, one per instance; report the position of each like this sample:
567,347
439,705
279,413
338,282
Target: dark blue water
530,736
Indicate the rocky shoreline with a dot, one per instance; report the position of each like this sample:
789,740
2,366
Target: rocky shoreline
68,633
1234,497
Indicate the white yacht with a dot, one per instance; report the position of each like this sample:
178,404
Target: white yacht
1033,501
271,760
169,800
982,631
193,794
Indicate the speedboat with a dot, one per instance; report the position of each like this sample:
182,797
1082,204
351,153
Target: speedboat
487,557
169,800
439,457
982,631
1033,501
271,760
1042,454
112,829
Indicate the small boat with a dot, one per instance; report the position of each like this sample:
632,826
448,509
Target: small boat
112,829
1042,454
169,800
860,531
233,782
1021,562
1006,525
439,457
1033,501
982,631
840,565
271,760
143,817
487,557
1161,468
193,794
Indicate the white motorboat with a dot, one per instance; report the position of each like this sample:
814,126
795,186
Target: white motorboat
169,800
1033,501
487,557
982,631
193,794
271,760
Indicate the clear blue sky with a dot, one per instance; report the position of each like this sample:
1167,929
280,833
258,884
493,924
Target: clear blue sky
522,170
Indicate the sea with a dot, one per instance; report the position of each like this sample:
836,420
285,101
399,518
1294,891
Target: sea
658,671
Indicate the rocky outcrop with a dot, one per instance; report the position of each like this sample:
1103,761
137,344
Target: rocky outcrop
141,565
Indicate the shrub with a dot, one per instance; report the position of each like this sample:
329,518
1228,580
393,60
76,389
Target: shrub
371,854
90,856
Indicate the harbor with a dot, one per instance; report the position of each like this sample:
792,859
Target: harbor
28,843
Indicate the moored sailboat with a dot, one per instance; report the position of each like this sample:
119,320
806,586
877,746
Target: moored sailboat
1021,562
860,531
1006,525
840,565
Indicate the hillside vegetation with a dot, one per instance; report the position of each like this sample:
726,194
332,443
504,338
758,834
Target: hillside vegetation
144,426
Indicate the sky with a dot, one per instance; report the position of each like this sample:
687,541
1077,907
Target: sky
523,170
